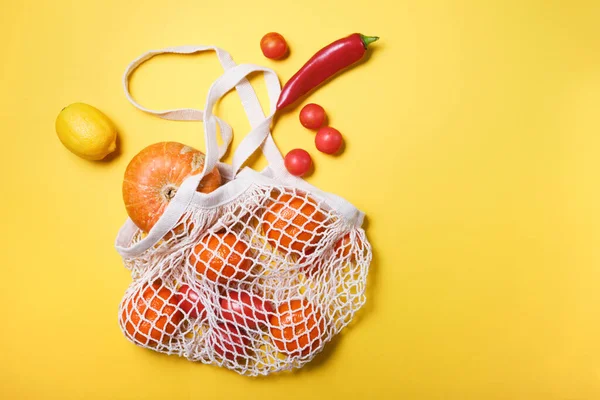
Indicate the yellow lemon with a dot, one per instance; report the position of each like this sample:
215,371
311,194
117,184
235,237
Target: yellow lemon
86,131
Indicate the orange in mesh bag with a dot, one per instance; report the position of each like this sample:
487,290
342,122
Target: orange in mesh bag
253,271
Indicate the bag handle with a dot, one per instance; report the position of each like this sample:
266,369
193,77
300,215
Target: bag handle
247,95
181,114
260,135
234,76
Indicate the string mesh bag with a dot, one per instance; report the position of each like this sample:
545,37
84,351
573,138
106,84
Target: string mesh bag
256,276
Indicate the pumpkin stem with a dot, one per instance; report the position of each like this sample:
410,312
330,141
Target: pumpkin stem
169,192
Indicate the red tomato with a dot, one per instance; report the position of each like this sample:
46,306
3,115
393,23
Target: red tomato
189,302
312,116
248,311
329,140
298,162
230,342
273,46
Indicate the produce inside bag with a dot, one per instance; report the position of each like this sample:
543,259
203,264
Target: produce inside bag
253,271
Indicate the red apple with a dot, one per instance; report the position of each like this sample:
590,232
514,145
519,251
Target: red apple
189,302
247,310
230,342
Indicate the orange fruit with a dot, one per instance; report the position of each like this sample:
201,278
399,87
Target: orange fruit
221,257
297,328
153,177
343,246
293,224
151,315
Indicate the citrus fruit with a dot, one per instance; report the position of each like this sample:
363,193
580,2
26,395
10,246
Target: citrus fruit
151,315
154,175
86,131
293,224
343,246
221,257
297,328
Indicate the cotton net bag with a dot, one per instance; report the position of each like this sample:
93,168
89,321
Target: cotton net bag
256,276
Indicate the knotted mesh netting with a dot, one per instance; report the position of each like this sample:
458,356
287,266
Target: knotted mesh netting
258,285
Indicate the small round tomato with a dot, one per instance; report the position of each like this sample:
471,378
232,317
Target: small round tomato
244,309
329,140
312,116
230,342
298,162
297,328
189,302
273,46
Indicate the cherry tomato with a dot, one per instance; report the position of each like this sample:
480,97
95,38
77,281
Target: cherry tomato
189,302
298,162
297,328
248,311
312,116
273,46
328,140
230,342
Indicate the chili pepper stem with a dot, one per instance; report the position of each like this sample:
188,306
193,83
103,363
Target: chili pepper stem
367,40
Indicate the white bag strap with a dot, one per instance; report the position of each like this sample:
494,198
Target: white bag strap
234,76
181,114
260,135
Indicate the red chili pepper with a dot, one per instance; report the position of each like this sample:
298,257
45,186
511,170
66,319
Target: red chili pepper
327,62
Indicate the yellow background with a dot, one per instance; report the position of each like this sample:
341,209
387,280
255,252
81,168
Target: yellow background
473,145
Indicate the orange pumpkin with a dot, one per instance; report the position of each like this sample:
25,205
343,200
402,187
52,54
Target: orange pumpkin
154,175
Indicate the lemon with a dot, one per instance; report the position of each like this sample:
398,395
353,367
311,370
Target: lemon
86,131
